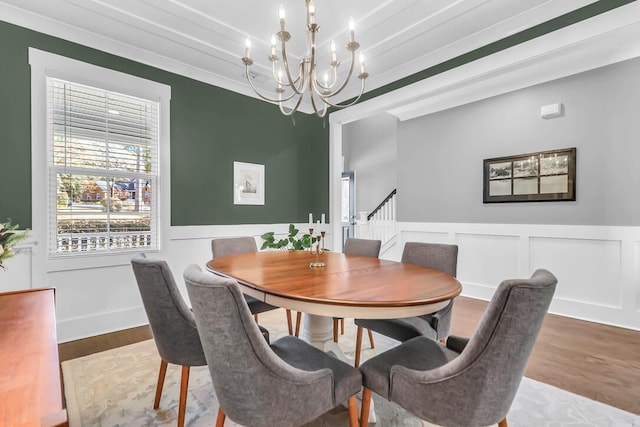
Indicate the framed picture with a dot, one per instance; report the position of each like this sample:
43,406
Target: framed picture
248,184
533,177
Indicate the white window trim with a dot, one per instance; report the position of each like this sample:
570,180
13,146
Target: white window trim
44,64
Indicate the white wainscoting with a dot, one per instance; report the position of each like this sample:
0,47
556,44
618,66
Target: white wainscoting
17,272
97,295
598,267
598,270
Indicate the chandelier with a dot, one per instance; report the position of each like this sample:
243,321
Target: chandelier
320,90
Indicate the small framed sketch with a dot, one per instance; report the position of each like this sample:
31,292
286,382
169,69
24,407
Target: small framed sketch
248,184
534,177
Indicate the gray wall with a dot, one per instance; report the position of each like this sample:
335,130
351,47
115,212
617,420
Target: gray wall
440,156
369,149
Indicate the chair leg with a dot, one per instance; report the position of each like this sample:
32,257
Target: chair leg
342,326
161,375
358,346
335,330
298,323
289,325
221,418
182,404
366,406
371,338
503,423
353,411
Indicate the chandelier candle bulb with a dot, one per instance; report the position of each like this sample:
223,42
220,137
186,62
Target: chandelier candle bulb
322,218
334,58
273,45
352,30
310,218
281,14
361,64
312,13
247,48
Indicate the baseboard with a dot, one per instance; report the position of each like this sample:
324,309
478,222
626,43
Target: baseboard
102,323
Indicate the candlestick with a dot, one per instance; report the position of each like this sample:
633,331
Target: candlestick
318,250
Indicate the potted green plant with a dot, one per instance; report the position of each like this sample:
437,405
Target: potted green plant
292,242
9,238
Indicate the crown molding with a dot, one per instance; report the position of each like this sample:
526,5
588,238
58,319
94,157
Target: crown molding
602,40
91,40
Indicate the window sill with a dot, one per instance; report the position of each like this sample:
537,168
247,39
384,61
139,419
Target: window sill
85,261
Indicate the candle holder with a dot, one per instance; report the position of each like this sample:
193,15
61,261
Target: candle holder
318,250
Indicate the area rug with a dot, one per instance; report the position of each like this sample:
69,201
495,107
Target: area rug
116,388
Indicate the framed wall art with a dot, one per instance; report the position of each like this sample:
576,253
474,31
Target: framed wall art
534,177
248,184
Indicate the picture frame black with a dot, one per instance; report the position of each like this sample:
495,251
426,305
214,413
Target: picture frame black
543,176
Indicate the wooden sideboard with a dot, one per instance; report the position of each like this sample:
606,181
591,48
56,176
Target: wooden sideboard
30,387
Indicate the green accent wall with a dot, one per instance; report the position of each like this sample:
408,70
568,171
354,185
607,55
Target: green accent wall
210,129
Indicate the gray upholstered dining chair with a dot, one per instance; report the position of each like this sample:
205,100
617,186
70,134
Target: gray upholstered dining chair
287,383
359,247
172,324
225,246
435,325
467,382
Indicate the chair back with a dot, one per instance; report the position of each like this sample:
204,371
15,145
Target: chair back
232,245
253,385
478,387
171,321
362,247
438,256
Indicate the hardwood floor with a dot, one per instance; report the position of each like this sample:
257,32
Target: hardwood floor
596,361
84,347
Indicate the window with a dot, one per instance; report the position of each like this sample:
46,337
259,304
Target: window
102,148
114,168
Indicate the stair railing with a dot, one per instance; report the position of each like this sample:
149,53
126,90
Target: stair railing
382,220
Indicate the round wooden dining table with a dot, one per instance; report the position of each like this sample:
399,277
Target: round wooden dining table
348,286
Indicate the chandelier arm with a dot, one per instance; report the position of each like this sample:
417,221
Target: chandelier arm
315,107
285,63
275,76
266,98
326,101
283,109
335,78
344,83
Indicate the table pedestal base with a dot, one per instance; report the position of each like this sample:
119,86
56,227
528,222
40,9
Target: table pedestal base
318,331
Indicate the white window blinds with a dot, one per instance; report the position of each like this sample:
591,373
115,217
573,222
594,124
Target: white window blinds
103,170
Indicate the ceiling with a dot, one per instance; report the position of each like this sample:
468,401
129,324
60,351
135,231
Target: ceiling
204,39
